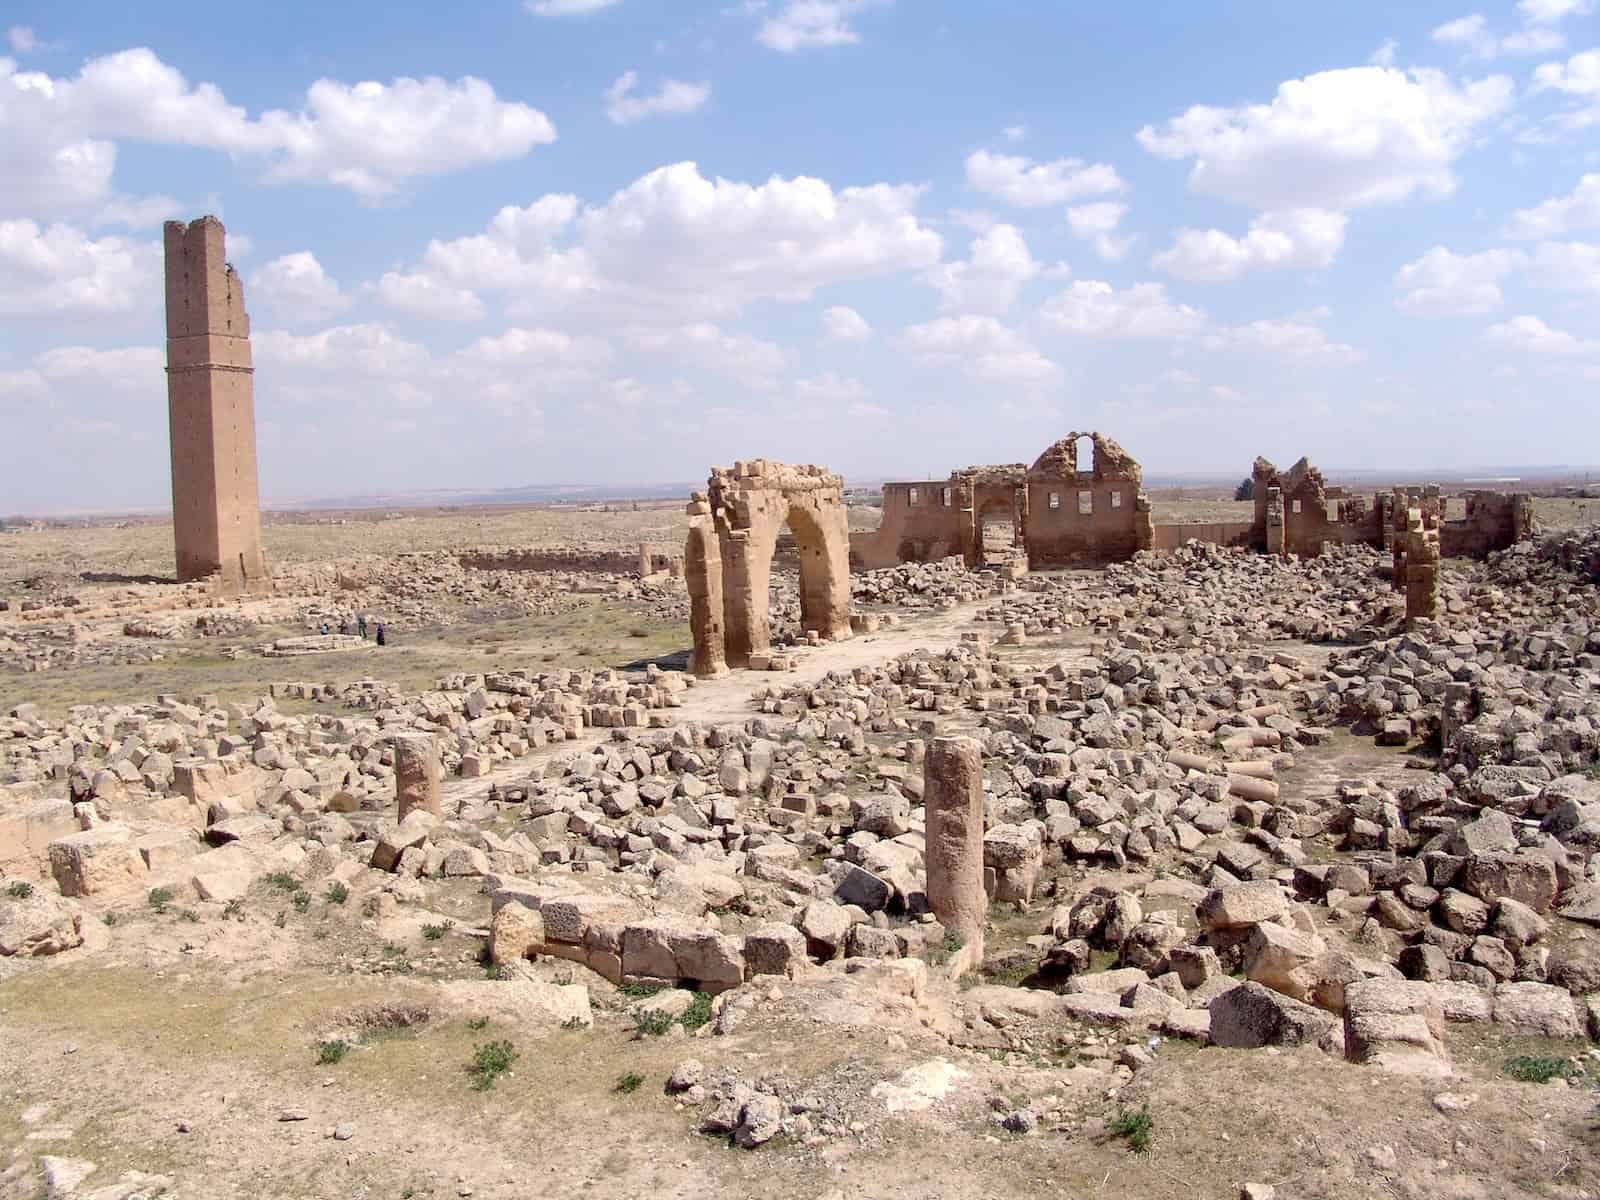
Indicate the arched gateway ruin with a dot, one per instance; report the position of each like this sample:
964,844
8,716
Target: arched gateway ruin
733,531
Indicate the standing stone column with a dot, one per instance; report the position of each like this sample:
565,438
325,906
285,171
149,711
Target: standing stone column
1422,570
644,559
417,773
953,795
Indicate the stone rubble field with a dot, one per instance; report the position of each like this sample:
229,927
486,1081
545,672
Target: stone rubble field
1285,899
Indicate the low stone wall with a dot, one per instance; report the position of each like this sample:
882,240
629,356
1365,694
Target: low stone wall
522,558
1219,533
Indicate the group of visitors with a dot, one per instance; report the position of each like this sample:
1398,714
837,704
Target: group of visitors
382,634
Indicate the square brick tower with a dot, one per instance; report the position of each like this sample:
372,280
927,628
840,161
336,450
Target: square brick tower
216,508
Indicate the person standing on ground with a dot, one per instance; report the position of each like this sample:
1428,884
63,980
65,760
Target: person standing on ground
361,625
382,640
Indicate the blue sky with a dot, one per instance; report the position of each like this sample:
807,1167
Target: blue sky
591,241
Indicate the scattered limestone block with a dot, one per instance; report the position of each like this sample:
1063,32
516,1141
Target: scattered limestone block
1397,1025
103,861
1538,1008
223,874
1239,905
166,849
395,840
26,832
1252,1015
525,1003
774,949
39,924
515,932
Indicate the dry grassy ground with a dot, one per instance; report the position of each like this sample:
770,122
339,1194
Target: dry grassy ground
146,548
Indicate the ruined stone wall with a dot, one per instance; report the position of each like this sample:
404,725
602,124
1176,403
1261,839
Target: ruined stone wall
1494,521
1095,515
216,512
922,522
926,522
1314,514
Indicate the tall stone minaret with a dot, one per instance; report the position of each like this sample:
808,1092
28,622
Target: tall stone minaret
216,507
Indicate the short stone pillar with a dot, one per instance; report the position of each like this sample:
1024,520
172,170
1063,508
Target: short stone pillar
1422,570
952,792
644,560
417,773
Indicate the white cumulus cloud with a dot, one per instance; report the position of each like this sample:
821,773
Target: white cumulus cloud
1288,338
982,348
1304,237
809,24
674,98
60,271
61,133
842,324
1093,308
1579,209
704,345
1530,335
296,289
567,8
990,280
1442,283
676,243
1097,224
1335,140
1026,184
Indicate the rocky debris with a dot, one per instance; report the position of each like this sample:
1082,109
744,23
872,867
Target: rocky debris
35,923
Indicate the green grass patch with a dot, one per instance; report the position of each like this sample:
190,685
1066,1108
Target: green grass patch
478,1023
1537,1068
331,1052
338,893
490,1061
652,1023
434,933
159,899
639,991
1134,1126
20,889
629,1083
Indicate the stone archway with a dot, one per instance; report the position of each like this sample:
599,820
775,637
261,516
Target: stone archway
734,528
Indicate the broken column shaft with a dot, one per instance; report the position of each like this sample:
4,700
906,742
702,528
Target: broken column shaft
417,773
953,795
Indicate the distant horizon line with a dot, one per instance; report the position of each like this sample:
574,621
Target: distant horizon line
598,493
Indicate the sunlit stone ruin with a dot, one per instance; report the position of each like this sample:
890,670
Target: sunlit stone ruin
954,837
216,513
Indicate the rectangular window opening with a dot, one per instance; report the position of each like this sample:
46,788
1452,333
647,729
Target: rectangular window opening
1116,499
912,496
947,494
1055,499
1085,504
